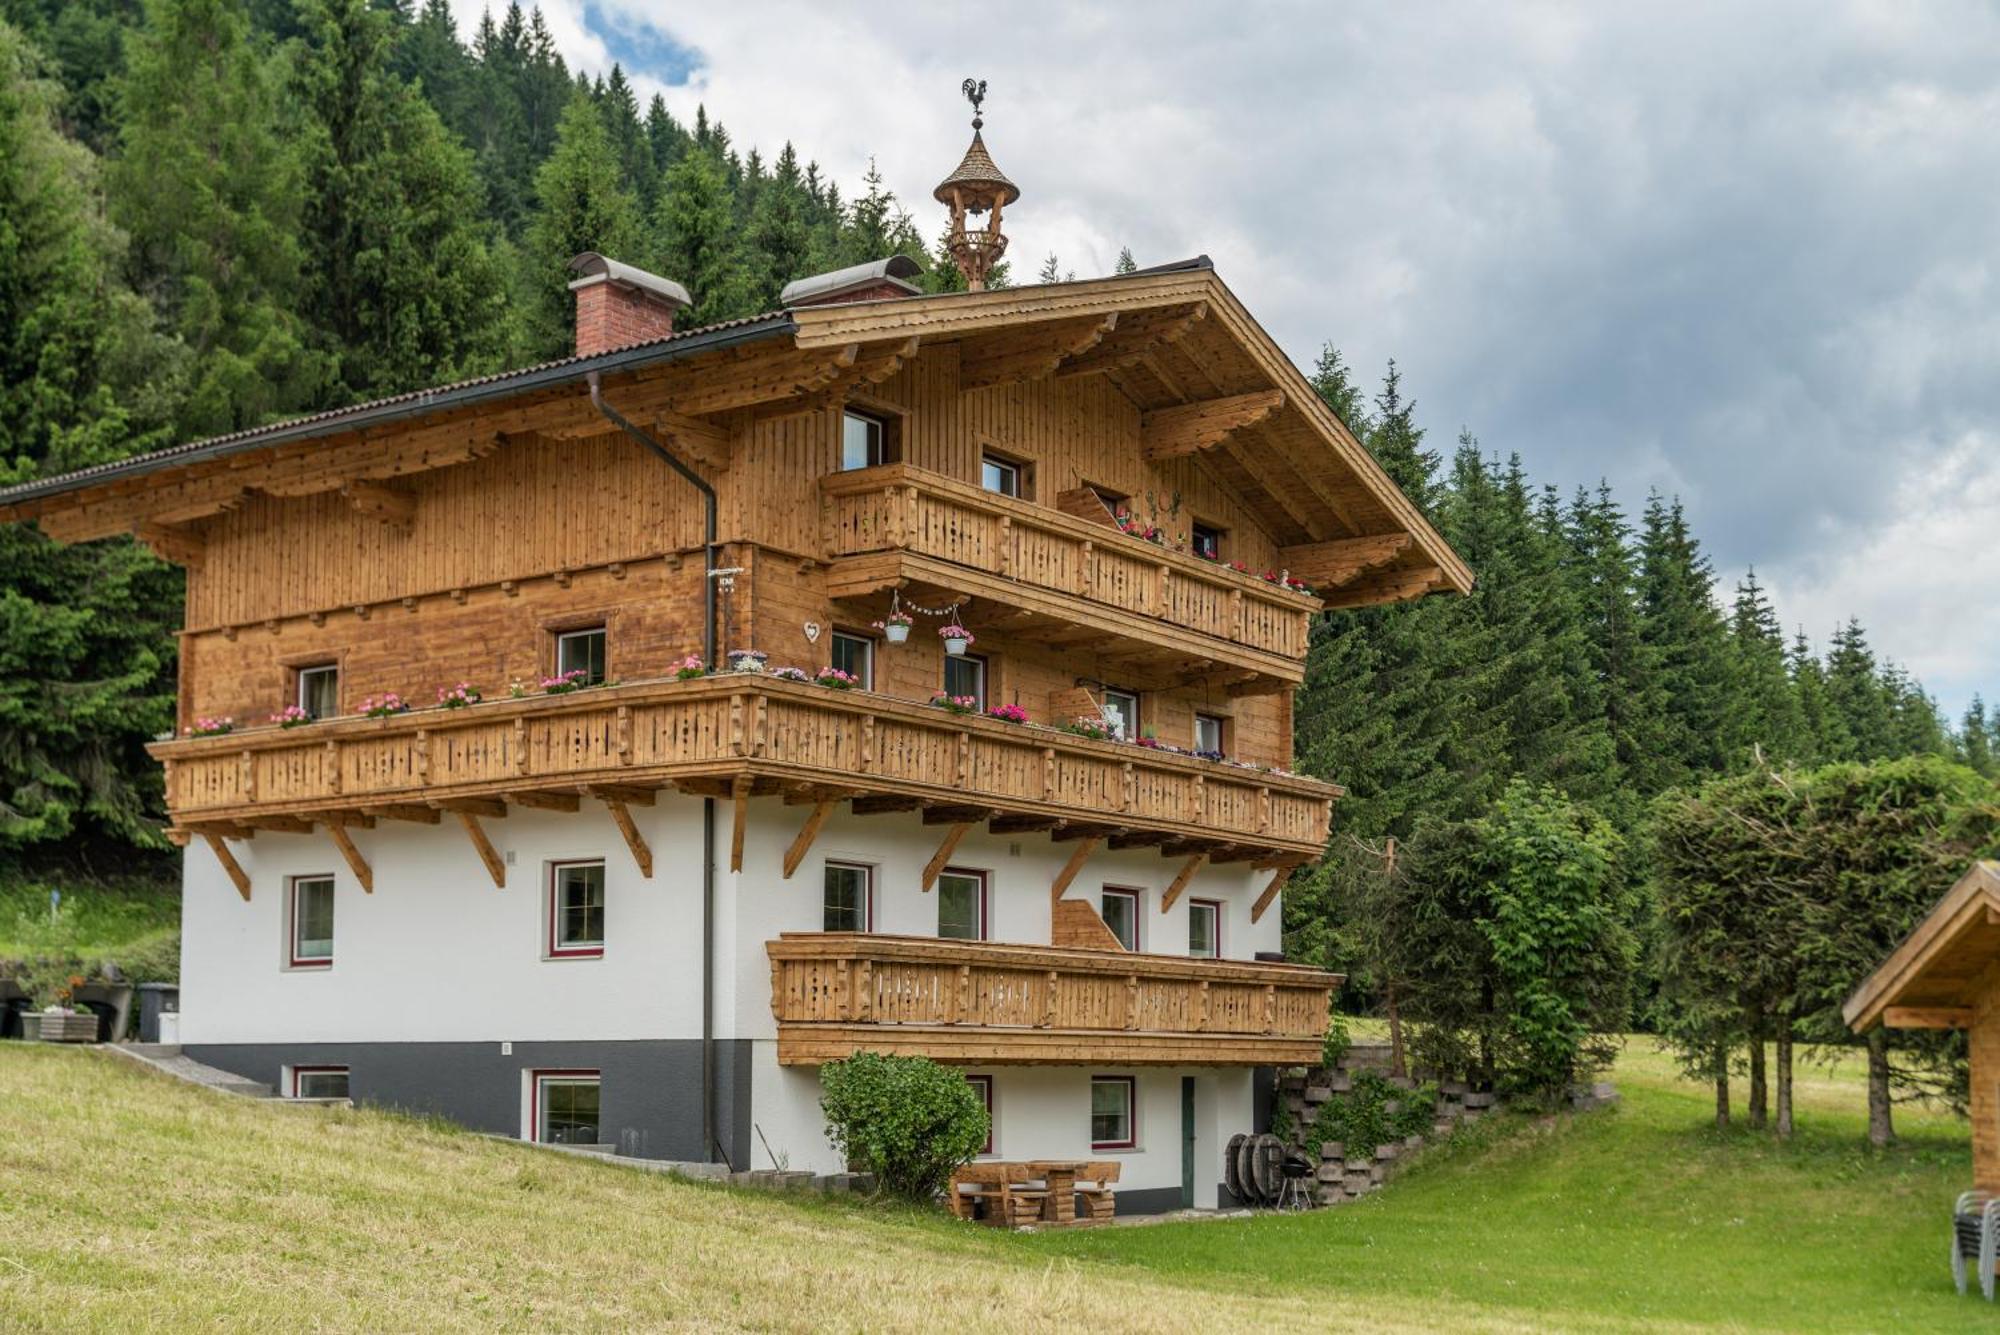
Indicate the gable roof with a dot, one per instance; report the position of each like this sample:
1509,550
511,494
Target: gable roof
1943,960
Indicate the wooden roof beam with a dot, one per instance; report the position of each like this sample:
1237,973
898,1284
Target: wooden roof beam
170,542
1392,586
1328,565
391,506
1005,359
1139,335
1927,1017
1190,428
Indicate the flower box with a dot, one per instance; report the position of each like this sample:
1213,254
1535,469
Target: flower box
64,1027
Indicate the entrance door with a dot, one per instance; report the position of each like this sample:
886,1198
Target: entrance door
1187,1142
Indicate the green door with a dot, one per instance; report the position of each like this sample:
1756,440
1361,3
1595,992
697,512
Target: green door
1187,1142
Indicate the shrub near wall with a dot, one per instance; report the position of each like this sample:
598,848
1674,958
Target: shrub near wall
908,1120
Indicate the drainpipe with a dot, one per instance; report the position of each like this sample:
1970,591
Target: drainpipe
710,1145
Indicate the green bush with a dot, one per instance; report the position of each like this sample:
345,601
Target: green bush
908,1120
1361,1119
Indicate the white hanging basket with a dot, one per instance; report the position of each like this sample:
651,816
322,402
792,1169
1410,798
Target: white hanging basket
955,645
896,632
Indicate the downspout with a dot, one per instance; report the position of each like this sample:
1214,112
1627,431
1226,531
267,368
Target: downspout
710,1145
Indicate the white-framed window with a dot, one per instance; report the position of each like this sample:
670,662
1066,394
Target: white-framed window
999,475
849,902
961,904
309,925
982,1085
316,1082
319,690
854,655
576,910
1204,929
1114,1112
864,440
1121,713
582,650
1207,541
1208,733
966,675
563,1107
1120,910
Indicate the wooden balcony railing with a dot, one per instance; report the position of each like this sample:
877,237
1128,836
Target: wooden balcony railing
838,993
778,735
898,508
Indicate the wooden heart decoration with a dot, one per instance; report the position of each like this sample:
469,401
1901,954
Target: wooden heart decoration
812,632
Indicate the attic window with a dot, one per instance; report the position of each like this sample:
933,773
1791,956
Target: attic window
1207,542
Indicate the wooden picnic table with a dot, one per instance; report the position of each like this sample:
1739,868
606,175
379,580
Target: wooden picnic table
1059,1175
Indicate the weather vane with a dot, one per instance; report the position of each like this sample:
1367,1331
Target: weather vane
975,93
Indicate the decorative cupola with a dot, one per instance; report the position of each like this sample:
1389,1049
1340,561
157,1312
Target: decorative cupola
977,187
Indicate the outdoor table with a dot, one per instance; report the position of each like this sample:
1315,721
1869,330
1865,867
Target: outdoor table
1059,1207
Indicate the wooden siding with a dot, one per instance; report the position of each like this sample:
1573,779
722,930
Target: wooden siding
834,994
715,729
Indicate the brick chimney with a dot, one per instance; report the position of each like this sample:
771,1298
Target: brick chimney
618,305
878,280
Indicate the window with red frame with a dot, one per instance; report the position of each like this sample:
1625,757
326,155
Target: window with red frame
982,1085
310,910
1113,1115
576,910
1204,929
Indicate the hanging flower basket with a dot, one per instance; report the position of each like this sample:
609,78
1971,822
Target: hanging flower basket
895,628
957,639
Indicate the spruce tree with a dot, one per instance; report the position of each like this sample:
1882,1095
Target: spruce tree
1126,264
211,193
579,205
695,237
780,237
1976,748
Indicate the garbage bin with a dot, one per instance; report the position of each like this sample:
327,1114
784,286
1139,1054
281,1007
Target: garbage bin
155,1001
14,1004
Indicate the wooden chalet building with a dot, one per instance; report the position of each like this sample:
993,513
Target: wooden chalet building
641,908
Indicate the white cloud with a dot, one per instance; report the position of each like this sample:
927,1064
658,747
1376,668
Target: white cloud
1742,253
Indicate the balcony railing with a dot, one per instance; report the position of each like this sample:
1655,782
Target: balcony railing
838,993
898,508
779,735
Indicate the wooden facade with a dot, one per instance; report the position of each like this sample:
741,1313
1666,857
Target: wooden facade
452,536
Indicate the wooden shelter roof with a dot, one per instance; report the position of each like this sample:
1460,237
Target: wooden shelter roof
1943,963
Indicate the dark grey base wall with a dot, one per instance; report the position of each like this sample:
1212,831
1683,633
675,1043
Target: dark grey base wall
1148,1200
651,1095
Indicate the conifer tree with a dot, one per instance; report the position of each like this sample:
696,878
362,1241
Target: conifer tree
696,239
780,237
1126,264
1976,748
211,192
580,205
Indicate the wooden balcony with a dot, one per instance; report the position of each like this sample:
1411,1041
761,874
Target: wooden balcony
738,735
988,1003
1174,616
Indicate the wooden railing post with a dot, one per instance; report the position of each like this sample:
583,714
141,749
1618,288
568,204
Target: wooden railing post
864,992
1003,558
1132,1001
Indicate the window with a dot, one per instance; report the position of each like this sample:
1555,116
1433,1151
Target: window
982,1085
855,655
1121,714
1121,914
312,922
576,909
319,1082
1207,542
864,441
1204,929
563,1107
1111,1121
966,675
582,651
1001,475
319,690
962,905
1208,733
850,898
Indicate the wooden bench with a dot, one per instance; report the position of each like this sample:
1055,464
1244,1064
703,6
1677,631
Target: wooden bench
1003,1189
1094,1198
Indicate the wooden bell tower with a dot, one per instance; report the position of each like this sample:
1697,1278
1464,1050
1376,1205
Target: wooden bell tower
977,187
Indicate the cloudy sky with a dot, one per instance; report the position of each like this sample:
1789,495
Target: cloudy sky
1743,254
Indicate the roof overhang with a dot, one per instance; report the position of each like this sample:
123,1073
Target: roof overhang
1942,966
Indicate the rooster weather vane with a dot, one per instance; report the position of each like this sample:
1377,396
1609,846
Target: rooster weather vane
975,93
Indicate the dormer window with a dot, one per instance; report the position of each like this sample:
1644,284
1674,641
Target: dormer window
319,690
864,440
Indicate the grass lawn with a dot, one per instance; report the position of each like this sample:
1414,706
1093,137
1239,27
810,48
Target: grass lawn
131,920
129,1201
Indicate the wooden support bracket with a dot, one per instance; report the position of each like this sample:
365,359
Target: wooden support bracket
1187,872
635,841
355,862
946,848
1278,879
740,800
1928,1017
495,867
1204,424
237,876
1084,848
807,833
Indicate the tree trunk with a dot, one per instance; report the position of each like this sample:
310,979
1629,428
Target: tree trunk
1880,1129
1784,1077
1758,1094
1395,1035
1722,1084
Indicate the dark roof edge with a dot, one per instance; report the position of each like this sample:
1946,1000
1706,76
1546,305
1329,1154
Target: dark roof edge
415,404
1173,266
